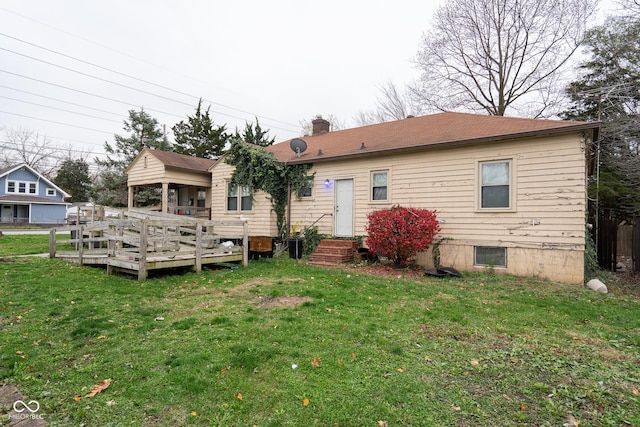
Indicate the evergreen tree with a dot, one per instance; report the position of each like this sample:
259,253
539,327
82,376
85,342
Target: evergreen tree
73,177
199,137
144,131
609,90
255,135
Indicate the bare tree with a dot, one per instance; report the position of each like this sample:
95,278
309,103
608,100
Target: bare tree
334,124
629,8
491,55
391,104
28,146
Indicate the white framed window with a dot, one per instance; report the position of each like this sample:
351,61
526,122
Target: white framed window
239,198
306,192
495,184
202,198
490,256
51,192
22,187
380,186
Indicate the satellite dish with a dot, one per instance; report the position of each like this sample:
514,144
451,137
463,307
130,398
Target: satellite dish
298,146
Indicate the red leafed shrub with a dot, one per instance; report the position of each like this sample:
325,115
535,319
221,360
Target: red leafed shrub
401,233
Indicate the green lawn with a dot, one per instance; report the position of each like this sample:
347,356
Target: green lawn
19,244
288,344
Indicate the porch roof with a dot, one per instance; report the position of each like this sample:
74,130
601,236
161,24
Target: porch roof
176,160
30,200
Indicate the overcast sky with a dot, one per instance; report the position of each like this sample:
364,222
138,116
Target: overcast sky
70,70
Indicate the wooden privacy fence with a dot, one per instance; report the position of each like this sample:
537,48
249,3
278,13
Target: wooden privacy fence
139,243
616,242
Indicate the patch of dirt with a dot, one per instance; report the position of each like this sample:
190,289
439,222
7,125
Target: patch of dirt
625,283
287,301
387,270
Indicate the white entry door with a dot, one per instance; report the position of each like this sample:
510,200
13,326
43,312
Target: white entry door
344,208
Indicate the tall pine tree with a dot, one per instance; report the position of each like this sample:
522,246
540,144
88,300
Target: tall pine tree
144,131
199,137
609,90
73,177
255,135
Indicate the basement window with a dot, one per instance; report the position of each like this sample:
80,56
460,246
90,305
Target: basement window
490,256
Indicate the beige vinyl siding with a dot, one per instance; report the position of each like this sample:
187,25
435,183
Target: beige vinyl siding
261,220
148,170
143,172
547,195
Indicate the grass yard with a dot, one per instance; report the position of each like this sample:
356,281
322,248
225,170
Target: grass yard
20,244
288,344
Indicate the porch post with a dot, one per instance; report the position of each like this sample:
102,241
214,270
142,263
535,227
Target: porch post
165,197
130,196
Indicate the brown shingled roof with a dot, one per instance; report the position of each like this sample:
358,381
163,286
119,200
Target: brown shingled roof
435,130
182,161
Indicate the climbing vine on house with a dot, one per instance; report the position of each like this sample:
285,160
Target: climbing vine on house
401,233
260,170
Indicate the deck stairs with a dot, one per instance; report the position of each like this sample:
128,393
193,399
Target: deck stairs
333,252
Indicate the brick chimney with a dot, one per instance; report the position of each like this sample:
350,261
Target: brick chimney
320,125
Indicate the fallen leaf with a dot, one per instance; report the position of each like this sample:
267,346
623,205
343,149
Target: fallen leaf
383,423
474,362
194,414
522,407
400,370
239,396
77,398
353,355
101,337
339,360
454,407
316,362
19,352
571,422
98,388
305,402
507,397
635,391
111,403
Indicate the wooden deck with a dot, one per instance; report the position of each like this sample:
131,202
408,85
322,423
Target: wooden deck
141,241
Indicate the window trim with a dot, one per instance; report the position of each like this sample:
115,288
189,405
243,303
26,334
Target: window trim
239,197
477,264
511,162
371,187
29,187
310,186
51,192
